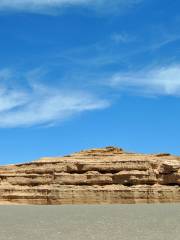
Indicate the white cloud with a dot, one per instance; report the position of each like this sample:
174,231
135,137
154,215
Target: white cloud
156,81
46,6
122,38
39,104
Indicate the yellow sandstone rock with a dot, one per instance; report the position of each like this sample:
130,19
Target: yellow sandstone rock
107,175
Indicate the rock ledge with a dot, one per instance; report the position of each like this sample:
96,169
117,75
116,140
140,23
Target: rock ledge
96,176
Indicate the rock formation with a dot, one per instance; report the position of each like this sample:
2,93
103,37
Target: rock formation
97,176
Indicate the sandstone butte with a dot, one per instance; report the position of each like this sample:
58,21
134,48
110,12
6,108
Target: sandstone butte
97,176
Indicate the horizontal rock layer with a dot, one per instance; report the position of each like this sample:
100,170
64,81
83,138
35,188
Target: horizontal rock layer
107,175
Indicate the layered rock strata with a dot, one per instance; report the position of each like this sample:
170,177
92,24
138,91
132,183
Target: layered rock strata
97,176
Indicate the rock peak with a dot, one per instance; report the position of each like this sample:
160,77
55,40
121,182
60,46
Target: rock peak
99,175
105,150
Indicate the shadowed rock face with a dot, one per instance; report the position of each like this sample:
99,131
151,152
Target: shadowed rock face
107,175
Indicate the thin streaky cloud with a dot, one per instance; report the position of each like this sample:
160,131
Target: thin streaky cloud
43,105
159,80
47,6
122,38
105,52
171,38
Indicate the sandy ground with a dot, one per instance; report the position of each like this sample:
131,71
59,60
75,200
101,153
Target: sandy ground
82,222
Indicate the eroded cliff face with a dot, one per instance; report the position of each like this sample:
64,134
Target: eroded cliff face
97,176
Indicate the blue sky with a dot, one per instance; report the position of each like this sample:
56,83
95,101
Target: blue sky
77,74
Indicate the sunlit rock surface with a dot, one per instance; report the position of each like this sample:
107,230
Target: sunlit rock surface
97,176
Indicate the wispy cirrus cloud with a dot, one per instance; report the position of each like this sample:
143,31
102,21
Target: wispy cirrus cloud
41,105
171,38
158,80
50,6
122,38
